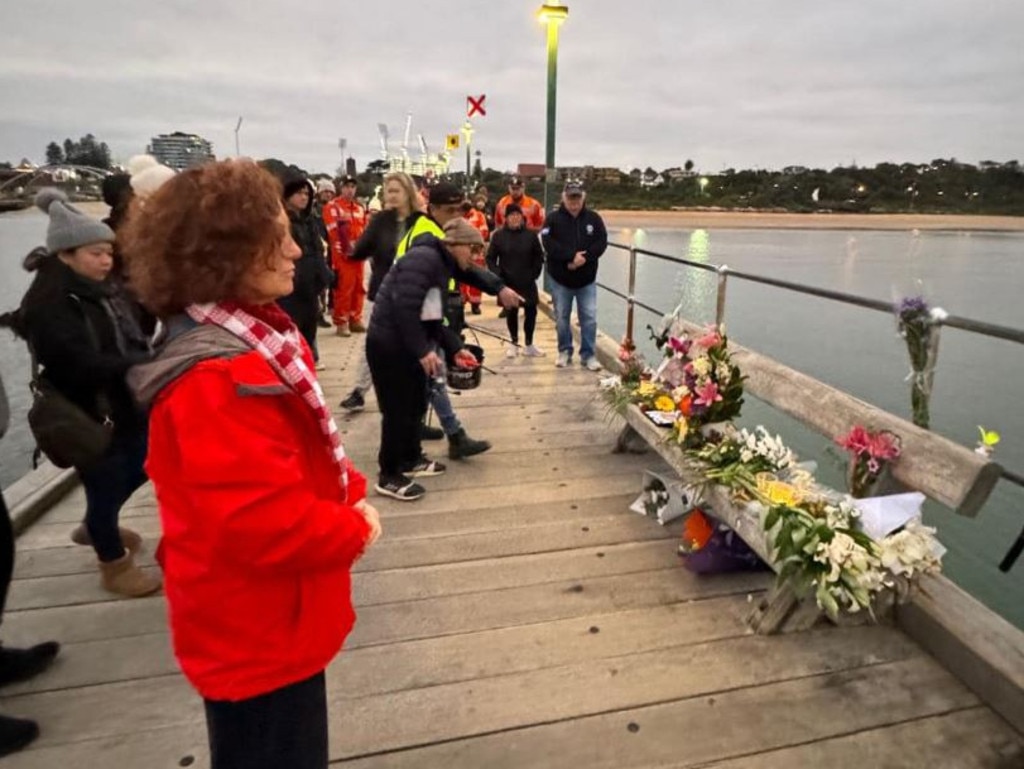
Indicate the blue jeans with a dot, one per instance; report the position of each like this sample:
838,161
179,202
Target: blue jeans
442,402
586,308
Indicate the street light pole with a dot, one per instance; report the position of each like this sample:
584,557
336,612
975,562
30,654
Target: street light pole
238,127
552,14
467,131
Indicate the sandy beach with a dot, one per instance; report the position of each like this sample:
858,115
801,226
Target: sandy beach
784,221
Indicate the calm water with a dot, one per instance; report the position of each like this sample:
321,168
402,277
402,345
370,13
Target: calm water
976,275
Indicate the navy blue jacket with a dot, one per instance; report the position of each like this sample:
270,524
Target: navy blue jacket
563,235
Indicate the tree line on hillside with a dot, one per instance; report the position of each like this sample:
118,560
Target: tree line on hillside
87,151
941,186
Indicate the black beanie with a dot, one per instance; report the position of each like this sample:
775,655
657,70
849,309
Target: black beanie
116,189
295,183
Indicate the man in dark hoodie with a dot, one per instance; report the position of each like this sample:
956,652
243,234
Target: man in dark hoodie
574,237
515,254
312,275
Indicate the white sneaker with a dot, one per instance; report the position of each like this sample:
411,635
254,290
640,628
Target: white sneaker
563,360
591,364
511,351
533,351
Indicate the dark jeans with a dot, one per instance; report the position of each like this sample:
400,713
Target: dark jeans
108,485
401,387
6,554
283,728
529,322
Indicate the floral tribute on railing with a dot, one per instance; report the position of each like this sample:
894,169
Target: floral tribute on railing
917,323
845,552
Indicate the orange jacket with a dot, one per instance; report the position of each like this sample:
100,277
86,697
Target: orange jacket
533,212
478,220
345,221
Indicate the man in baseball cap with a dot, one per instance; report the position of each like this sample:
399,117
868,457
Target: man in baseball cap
533,211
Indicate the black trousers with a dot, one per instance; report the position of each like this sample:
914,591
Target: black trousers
401,387
6,554
529,322
283,728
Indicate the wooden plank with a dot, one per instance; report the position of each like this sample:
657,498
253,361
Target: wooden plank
32,495
435,714
705,727
61,560
406,584
449,711
87,622
557,535
451,615
972,737
981,648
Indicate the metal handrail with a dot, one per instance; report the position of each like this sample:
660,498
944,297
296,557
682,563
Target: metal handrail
984,328
965,324
992,330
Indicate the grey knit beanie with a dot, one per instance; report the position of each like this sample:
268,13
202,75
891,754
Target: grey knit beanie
69,228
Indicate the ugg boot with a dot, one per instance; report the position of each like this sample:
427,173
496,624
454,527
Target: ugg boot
130,539
125,578
461,446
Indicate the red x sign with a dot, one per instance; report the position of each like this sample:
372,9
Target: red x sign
475,105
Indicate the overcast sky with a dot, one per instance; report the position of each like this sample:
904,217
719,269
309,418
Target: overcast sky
732,83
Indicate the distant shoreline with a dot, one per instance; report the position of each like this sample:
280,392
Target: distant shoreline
696,219
728,220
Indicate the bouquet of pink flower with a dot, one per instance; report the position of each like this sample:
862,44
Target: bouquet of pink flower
870,454
703,380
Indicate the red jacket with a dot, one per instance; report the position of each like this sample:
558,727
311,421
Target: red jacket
257,544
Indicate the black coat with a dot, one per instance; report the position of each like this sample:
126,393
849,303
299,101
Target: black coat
518,258
378,243
312,275
85,340
563,235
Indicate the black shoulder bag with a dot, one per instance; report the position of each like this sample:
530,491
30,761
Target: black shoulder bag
67,435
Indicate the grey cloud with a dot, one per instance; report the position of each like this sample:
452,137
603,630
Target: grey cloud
651,82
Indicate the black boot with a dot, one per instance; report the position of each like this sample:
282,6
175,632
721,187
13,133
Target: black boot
16,733
21,664
461,446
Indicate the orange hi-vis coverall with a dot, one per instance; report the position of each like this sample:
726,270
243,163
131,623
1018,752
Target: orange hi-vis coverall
478,220
345,221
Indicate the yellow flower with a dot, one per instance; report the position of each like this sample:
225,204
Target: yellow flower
664,403
682,428
646,388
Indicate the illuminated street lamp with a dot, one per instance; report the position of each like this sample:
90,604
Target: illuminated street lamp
552,14
703,182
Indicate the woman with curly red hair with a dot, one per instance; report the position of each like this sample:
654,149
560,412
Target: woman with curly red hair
263,514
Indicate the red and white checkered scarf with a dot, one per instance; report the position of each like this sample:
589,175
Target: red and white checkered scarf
282,349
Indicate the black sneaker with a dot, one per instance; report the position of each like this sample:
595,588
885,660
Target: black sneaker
16,733
21,664
354,402
425,468
400,488
322,322
430,433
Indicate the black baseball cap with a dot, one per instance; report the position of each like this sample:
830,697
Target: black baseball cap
348,179
573,188
444,194
515,181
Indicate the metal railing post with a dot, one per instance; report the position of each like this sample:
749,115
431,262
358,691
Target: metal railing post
630,301
720,302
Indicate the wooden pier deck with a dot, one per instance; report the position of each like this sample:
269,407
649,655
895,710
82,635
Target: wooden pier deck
517,616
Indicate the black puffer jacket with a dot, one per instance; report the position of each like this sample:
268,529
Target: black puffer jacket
85,338
408,314
563,235
378,243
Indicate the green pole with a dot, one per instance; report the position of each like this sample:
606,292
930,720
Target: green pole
549,158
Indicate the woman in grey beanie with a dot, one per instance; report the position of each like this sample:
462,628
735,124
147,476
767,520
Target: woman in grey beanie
70,317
